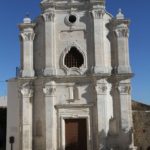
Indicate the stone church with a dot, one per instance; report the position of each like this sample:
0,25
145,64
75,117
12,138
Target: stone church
73,87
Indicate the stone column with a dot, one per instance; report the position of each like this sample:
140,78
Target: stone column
122,35
115,122
98,14
102,90
125,105
50,115
27,94
50,68
27,35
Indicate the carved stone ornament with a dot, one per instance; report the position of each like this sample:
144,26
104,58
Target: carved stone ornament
49,90
73,94
27,90
122,31
124,89
101,89
28,36
74,70
49,16
98,14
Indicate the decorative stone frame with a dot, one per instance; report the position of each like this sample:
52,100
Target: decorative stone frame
73,70
67,22
74,112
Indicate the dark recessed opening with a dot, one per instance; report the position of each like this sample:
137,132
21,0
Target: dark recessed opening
72,18
148,148
74,58
75,134
3,116
144,130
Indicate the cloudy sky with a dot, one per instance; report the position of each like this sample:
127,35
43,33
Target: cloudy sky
138,11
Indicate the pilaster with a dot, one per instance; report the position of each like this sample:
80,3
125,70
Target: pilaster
115,122
120,133
27,94
125,105
49,18
102,91
27,37
122,34
99,52
50,115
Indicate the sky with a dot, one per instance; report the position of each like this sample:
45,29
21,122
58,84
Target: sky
138,11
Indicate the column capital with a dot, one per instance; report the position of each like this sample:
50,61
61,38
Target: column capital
27,90
27,36
102,87
122,30
98,13
49,89
124,88
49,16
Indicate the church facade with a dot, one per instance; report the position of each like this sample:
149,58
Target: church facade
73,91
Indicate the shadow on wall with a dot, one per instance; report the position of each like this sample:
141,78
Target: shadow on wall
108,142
115,141
148,148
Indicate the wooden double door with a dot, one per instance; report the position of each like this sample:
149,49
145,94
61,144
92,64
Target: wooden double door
75,134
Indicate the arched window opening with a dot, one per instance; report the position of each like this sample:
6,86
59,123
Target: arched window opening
74,58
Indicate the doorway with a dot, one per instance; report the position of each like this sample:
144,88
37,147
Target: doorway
75,134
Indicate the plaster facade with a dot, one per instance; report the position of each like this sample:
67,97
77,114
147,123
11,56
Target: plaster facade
50,89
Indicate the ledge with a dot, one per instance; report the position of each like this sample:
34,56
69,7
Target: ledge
26,25
66,106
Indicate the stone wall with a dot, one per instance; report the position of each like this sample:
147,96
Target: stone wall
141,121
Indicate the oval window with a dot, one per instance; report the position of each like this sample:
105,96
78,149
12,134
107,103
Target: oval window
72,18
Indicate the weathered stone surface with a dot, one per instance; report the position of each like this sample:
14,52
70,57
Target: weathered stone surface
141,121
76,55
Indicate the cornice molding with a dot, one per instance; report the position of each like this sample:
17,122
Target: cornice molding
26,25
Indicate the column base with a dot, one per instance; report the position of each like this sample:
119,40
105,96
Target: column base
124,69
132,147
28,73
49,71
99,70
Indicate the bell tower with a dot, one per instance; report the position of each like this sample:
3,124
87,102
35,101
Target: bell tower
73,89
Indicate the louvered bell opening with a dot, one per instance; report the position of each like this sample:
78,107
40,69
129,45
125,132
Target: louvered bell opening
74,58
